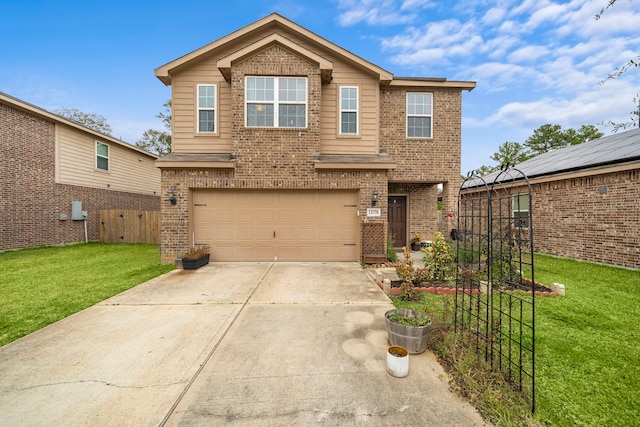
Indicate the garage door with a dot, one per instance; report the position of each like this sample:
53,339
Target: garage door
268,225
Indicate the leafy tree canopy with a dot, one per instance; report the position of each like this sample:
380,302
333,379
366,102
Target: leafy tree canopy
156,141
90,120
545,138
551,137
510,153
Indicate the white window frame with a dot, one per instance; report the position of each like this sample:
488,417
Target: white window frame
100,156
423,114
349,110
519,220
207,108
276,102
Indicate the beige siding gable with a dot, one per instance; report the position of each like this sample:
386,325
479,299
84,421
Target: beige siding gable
129,170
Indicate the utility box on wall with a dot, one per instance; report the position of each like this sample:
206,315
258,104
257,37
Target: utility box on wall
76,211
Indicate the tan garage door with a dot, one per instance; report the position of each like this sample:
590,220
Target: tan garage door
251,225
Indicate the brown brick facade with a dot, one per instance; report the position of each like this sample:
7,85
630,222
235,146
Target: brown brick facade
592,218
33,200
432,161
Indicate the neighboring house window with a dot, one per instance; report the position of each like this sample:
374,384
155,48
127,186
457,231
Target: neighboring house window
102,156
279,102
520,210
348,110
206,108
419,115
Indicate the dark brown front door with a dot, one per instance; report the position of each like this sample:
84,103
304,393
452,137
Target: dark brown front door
398,220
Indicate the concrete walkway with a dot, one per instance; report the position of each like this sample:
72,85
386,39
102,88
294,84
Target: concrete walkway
229,344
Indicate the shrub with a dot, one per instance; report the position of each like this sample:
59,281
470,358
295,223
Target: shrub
439,259
421,275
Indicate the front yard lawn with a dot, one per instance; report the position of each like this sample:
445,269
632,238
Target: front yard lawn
43,285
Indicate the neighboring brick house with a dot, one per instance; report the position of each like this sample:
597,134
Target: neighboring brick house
585,200
48,162
287,147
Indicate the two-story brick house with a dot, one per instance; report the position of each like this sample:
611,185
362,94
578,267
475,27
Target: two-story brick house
288,147
50,164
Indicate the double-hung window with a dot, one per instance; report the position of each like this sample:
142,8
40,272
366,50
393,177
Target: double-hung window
419,114
102,156
348,110
520,210
279,102
207,108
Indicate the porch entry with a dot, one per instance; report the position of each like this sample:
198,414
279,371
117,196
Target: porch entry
398,220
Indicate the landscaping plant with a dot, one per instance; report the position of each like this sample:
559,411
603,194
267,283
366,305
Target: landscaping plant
587,358
439,259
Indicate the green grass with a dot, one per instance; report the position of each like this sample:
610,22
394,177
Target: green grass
588,344
587,350
43,285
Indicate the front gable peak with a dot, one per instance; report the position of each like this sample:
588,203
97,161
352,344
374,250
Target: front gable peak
278,28
224,64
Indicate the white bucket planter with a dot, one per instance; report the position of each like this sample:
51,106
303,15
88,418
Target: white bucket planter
398,361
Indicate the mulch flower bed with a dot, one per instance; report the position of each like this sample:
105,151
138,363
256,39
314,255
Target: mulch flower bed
446,289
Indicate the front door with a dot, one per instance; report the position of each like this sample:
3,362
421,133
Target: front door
398,220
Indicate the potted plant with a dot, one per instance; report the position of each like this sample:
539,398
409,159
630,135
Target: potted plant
416,244
408,329
196,257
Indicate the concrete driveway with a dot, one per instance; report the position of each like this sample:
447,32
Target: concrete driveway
265,344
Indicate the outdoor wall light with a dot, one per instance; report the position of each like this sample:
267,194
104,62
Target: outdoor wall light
374,198
172,196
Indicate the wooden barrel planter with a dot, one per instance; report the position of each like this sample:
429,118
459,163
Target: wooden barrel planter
413,338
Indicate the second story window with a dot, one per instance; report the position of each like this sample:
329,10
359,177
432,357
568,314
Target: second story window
102,156
206,108
419,115
276,102
348,110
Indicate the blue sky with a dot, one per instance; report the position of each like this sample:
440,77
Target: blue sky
534,61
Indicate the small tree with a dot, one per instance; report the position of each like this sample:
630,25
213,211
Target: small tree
510,153
156,141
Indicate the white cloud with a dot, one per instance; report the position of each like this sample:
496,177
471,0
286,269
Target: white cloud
449,34
497,76
493,16
545,15
499,46
528,53
378,12
415,4
600,104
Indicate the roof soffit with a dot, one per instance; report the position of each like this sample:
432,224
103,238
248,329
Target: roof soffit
224,64
273,23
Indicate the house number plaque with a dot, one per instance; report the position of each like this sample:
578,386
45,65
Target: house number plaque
374,212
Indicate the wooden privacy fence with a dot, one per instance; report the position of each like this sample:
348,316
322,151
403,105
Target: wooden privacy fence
125,226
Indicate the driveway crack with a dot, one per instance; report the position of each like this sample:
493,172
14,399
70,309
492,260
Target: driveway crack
107,383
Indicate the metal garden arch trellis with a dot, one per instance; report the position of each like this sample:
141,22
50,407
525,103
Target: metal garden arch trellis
495,297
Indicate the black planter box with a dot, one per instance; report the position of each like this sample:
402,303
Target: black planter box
194,264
